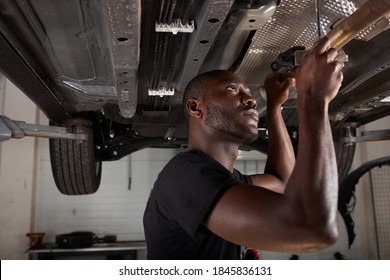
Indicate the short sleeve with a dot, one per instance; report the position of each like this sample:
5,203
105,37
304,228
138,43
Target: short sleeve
188,194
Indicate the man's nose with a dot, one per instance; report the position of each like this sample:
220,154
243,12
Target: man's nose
250,101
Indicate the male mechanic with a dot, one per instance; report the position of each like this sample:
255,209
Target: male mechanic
202,208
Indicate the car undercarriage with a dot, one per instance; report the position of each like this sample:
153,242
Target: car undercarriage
115,70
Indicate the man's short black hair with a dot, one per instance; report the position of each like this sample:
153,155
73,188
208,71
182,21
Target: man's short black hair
198,86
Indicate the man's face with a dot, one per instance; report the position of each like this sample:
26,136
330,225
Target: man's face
230,108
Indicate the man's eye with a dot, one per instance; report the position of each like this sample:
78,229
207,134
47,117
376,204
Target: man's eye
232,87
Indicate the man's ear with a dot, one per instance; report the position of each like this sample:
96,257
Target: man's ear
194,108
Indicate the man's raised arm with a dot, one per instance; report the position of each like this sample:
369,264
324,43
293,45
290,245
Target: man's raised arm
281,158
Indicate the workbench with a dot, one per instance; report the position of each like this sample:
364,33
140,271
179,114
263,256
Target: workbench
124,250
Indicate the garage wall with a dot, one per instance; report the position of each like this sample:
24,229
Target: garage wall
380,178
364,214
17,161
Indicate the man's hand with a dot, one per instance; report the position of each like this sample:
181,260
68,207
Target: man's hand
277,92
319,76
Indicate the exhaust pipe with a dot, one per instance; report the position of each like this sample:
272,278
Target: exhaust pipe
368,13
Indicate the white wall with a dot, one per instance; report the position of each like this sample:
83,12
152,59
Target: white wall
17,161
364,216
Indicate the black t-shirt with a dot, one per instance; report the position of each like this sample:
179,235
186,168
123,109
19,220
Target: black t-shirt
184,193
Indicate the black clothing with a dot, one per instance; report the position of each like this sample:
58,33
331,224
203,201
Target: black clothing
183,195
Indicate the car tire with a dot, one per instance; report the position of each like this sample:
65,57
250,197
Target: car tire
75,168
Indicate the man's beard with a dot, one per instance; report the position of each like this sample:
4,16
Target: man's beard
220,119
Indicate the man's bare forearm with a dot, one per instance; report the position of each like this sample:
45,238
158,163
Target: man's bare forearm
281,158
316,168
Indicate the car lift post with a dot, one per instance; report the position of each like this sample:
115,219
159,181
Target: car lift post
19,129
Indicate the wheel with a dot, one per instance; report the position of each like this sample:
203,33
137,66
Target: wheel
345,152
75,169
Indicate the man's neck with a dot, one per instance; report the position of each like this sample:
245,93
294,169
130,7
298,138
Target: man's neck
223,152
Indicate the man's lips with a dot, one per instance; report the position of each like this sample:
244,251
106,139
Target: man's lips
252,113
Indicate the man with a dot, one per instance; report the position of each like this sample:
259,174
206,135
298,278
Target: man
201,208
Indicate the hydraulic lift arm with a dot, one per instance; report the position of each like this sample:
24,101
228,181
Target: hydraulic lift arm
19,129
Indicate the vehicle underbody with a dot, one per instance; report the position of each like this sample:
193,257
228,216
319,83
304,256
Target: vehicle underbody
116,70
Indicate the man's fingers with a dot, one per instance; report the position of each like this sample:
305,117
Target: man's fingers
322,46
287,83
331,54
273,77
339,65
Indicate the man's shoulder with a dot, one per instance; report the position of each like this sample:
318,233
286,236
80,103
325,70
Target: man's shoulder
189,157
181,162
193,164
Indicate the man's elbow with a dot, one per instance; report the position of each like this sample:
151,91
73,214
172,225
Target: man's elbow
325,236
330,237
316,238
